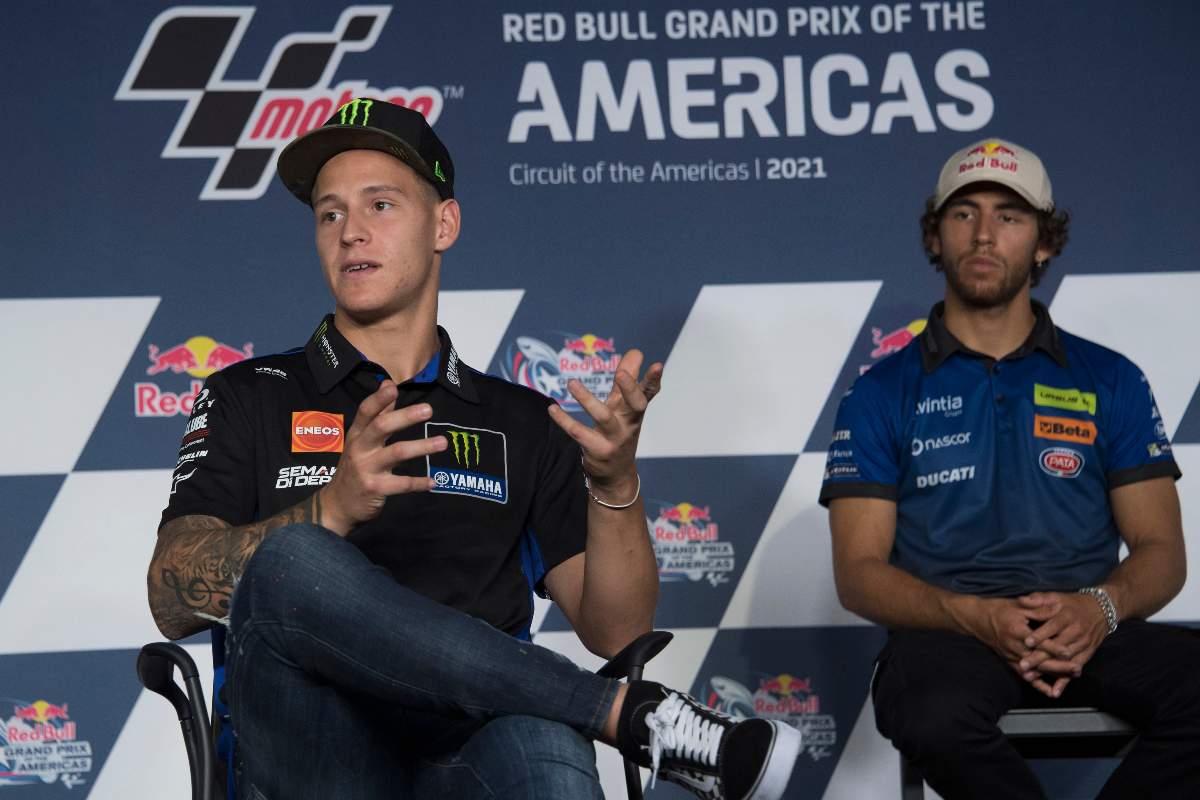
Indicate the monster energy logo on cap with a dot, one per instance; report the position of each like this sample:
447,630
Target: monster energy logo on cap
464,439
353,107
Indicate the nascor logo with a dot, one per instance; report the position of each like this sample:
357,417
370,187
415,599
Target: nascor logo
243,124
948,404
946,476
950,440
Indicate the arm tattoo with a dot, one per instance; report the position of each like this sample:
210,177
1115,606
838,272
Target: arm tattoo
199,559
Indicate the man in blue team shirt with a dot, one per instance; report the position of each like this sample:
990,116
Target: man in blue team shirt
980,483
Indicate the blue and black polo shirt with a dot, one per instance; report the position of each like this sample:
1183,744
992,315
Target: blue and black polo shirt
1000,470
510,502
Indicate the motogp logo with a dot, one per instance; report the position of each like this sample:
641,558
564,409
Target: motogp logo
243,124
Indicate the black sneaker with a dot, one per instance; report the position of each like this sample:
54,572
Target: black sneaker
713,755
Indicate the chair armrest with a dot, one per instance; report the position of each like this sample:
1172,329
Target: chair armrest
629,662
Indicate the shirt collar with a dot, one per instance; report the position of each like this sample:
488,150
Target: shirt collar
938,344
333,359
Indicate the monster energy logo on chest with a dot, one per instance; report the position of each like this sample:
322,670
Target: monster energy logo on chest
348,113
464,440
475,464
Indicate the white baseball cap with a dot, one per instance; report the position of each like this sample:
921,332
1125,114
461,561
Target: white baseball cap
996,161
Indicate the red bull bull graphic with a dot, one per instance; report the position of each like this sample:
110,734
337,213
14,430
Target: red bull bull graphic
199,357
893,341
547,366
784,697
39,744
687,544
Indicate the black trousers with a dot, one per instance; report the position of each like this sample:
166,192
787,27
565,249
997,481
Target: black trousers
938,696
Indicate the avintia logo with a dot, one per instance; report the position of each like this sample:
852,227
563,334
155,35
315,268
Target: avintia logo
948,404
243,124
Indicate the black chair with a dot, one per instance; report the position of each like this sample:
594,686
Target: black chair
1047,733
157,662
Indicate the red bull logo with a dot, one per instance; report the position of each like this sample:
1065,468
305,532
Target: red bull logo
785,696
40,711
785,684
893,341
585,354
590,344
685,522
992,149
40,721
199,356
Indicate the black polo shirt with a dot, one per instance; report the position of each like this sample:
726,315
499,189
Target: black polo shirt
510,502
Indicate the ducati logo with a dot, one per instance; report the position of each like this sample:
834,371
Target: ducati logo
243,124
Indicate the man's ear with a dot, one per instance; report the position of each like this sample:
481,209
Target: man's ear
449,222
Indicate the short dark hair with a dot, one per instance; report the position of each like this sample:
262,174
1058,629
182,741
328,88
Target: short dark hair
1052,234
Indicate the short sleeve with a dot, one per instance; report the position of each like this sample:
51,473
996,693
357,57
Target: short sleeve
214,474
863,459
558,516
1138,447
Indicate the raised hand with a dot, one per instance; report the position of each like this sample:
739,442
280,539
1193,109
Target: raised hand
364,480
609,447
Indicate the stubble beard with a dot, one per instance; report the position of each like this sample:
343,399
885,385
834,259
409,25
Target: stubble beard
991,294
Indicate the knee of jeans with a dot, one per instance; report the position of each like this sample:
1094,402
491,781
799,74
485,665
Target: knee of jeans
295,555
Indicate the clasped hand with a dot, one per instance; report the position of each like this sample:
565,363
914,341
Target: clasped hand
1047,637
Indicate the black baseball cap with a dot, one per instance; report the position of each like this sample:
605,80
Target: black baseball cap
368,124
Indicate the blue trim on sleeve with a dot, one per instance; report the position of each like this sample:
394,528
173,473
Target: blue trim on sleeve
534,569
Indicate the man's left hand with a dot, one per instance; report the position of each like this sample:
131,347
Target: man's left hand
610,446
1064,643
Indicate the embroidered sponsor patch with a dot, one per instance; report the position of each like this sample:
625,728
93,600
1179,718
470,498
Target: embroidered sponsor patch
317,432
1061,462
475,463
1064,429
1066,399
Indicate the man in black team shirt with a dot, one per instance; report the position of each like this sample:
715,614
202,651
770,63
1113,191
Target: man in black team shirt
384,512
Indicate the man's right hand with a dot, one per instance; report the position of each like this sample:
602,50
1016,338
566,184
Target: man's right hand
364,480
1003,624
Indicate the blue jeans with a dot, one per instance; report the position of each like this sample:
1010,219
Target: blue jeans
343,683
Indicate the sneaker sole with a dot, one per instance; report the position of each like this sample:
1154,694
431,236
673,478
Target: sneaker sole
785,749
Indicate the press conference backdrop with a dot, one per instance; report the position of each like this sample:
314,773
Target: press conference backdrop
733,189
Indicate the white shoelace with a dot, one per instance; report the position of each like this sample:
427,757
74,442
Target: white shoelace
677,730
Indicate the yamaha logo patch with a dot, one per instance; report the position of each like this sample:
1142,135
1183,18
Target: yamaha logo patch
474,464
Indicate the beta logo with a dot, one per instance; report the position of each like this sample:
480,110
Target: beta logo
317,432
1064,429
243,124
1061,462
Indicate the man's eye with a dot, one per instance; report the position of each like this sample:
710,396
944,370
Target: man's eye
330,216
382,205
